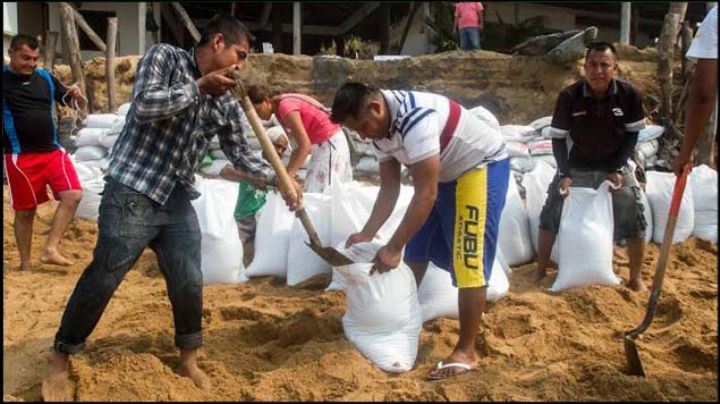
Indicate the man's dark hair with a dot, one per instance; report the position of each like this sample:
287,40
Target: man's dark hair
350,100
21,39
233,30
601,47
257,94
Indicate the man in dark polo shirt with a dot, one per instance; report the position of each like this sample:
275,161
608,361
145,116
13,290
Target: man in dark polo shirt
594,129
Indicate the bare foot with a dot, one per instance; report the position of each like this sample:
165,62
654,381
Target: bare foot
450,371
56,387
539,274
25,266
201,380
54,258
636,285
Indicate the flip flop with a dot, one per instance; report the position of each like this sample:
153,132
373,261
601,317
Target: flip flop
461,365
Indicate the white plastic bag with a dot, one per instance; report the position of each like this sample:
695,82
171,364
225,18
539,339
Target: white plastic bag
514,234
92,183
101,164
368,164
536,183
703,181
522,164
650,132
647,213
302,262
486,116
659,190
274,223
109,141
585,239
541,123
123,109
542,147
383,318
87,153
90,136
517,149
518,133
103,120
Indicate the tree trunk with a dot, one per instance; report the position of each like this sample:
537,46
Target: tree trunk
51,38
666,46
705,147
110,62
72,45
687,36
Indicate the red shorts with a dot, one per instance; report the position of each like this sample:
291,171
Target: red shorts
29,174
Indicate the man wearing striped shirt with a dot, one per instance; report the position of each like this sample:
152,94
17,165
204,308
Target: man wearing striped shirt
460,174
179,102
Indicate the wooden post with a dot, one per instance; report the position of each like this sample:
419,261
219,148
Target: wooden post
72,45
186,20
668,38
110,62
51,38
80,20
297,36
705,146
625,23
686,34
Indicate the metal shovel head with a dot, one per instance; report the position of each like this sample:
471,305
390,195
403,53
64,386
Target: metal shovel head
331,255
635,367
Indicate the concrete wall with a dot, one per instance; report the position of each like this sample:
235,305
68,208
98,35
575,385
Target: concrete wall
131,34
10,27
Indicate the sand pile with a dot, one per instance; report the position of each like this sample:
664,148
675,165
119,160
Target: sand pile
265,341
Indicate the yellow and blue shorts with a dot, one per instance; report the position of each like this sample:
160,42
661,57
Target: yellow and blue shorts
461,234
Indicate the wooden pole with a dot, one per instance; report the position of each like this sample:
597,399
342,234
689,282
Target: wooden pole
80,20
110,62
51,38
297,36
186,20
625,23
705,147
72,45
668,38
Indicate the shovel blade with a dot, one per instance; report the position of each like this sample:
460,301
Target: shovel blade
331,255
635,367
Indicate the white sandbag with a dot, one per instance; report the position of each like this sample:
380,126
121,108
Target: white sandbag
498,285
221,249
650,132
536,183
302,262
540,147
102,120
101,164
117,127
123,109
383,318
548,159
486,116
90,136
516,149
109,141
85,172
522,164
518,133
368,164
659,190
703,180
92,185
545,133
514,234
218,154
585,239
87,153
649,148
541,123
214,143
647,214
215,167
274,223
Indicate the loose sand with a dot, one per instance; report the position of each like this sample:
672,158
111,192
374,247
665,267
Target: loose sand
266,341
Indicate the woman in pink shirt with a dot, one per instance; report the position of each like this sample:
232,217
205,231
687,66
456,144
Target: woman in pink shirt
307,123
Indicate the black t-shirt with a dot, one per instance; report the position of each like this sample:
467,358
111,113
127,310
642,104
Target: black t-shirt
598,128
29,121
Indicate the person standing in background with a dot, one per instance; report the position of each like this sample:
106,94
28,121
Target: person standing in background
469,24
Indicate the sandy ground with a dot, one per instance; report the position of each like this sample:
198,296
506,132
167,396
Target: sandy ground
266,341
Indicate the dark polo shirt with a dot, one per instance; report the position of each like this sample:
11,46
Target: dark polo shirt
600,133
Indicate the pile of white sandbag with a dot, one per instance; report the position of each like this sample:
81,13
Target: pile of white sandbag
96,139
92,183
703,182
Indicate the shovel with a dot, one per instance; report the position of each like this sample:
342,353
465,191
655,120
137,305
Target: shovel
329,254
631,353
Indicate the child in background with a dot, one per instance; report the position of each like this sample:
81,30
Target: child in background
250,198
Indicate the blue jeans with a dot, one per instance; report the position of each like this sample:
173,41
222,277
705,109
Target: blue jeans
469,38
128,222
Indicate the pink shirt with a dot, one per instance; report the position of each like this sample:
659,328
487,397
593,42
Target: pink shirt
314,116
466,14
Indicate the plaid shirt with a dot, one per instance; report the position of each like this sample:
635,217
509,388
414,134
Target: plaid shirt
170,124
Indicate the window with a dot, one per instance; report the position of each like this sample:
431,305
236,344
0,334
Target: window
97,20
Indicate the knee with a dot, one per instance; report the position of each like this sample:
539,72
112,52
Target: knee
25,215
71,198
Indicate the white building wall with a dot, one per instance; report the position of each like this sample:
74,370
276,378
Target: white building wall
131,34
10,27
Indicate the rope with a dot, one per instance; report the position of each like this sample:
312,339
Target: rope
78,114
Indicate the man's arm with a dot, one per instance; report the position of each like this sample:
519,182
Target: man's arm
626,149
155,98
699,107
560,152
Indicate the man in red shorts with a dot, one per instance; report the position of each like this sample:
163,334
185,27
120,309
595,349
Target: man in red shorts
34,158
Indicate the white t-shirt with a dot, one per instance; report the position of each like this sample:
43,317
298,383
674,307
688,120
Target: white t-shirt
705,44
417,120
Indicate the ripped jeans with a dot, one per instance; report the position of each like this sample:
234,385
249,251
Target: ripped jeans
128,222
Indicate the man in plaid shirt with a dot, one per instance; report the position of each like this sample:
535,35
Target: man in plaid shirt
180,101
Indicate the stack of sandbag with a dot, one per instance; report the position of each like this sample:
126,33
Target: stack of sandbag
383,318
585,239
703,181
514,234
536,183
272,238
542,150
486,116
517,138
659,190
92,183
221,248
648,145
96,139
